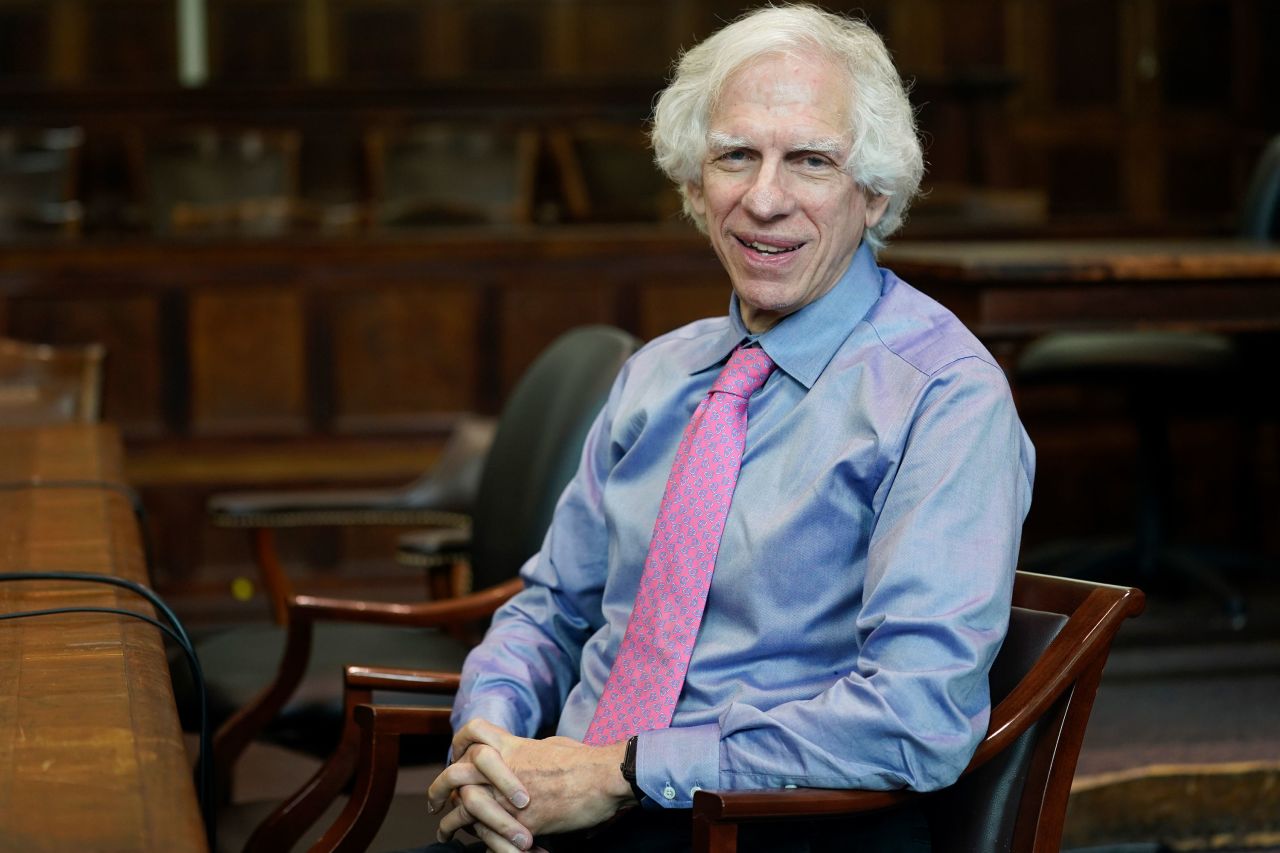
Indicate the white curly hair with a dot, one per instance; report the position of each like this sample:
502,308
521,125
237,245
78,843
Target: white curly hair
885,157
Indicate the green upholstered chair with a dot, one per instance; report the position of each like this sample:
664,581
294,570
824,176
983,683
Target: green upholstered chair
297,670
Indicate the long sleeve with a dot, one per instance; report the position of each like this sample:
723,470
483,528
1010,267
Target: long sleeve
862,581
519,676
935,606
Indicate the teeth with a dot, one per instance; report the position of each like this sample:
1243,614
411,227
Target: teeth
770,250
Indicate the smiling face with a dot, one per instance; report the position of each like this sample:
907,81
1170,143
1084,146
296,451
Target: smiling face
782,214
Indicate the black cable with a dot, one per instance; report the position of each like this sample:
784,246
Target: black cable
204,764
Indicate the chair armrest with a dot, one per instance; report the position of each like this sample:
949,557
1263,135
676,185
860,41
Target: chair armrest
304,611
380,727
437,498
1093,623
290,820
402,680
451,611
329,508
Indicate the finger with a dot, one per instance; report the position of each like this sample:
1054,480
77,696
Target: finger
455,820
495,843
486,811
478,731
449,780
490,762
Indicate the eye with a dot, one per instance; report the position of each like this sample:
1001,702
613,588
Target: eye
733,159
815,161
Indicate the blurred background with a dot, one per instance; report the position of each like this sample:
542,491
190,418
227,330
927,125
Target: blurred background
314,234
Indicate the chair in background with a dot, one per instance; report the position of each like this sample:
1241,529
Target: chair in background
448,173
535,451
217,181
441,498
1161,373
39,171
1011,797
46,384
607,174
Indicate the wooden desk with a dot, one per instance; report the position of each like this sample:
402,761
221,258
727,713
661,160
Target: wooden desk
1015,289
91,753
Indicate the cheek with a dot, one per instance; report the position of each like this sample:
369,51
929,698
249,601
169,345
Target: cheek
837,215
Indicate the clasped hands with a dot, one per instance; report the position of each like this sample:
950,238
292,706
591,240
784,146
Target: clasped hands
506,789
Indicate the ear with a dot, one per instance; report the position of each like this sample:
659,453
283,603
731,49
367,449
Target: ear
876,206
697,200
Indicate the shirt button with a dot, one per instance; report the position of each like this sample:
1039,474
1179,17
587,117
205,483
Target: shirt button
669,792
789,787
695,789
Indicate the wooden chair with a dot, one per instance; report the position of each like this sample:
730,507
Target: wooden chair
441,498
451,173
217,180
47,384
607,174
1012,797
39,173
535,452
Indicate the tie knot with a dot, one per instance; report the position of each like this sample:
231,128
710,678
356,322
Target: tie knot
745,373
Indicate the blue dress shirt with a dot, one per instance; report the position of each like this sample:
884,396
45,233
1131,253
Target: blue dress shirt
863,581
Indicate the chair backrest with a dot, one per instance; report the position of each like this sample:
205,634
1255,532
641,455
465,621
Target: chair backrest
448,173
43,384
1043,683
39,171
538,445
1260,214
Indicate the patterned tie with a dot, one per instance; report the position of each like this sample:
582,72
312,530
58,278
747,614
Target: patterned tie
648,674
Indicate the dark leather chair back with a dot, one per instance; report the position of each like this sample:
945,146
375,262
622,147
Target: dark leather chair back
980,811
537,447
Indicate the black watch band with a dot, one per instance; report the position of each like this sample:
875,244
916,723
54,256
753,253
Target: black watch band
628,767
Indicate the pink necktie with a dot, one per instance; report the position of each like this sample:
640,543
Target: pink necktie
648,674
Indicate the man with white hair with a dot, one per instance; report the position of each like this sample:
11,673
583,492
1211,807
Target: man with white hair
787,556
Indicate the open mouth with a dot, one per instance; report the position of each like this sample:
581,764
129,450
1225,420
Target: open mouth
767,248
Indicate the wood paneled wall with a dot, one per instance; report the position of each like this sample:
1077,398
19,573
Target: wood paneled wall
296,362
355,337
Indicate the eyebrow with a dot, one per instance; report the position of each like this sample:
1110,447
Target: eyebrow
720,141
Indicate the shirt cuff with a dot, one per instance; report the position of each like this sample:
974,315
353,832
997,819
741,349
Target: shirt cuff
497,709
671,764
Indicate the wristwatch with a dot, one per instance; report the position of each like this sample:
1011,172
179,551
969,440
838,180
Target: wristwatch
628,767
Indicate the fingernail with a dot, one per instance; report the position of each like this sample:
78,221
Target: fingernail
431,807
520,799
520,841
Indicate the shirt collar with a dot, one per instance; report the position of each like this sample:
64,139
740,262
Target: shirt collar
803,343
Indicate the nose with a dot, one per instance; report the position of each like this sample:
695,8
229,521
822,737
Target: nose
768,197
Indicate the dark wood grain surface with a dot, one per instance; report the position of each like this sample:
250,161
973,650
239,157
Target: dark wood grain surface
1021,288
91,752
